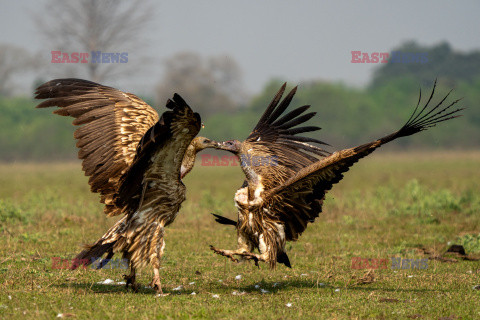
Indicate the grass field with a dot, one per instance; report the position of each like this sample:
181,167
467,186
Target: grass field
388,205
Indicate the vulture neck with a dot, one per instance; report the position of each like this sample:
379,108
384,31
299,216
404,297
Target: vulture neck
188,160
250,174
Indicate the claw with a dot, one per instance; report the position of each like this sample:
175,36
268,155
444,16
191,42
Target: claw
251,256
156,285
230,254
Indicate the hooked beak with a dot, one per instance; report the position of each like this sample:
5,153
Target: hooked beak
213,144
201,143
231,145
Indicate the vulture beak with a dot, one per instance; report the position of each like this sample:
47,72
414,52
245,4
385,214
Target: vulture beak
211,144
231,145
201,143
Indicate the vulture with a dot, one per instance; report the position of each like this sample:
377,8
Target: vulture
278,199
136,162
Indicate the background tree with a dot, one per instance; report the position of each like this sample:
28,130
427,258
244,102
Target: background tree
443,62
211,85
13,61
92,25
349,116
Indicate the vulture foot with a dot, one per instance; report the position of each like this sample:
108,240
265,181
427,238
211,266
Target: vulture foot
251,256
226,253
130,280
242,253
155,284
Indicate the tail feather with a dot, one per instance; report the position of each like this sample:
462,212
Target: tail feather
92,253
223,220
283,258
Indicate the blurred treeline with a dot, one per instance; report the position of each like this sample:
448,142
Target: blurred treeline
348,115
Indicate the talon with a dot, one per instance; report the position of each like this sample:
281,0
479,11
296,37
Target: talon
130,280
156,285
244,254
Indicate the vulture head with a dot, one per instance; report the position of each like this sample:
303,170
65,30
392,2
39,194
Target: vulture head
197,145
201,143
232,145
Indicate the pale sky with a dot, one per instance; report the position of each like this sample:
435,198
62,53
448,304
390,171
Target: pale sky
294,40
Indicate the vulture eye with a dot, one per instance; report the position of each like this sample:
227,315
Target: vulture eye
206,141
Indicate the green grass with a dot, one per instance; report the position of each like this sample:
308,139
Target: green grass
388,205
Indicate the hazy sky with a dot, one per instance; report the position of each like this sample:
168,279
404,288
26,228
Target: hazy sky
294,40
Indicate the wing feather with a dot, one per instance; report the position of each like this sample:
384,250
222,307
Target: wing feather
112,124
276,136
299,200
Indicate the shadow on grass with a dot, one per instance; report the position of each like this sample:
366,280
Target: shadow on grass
258,288
363,288
274,287
106,288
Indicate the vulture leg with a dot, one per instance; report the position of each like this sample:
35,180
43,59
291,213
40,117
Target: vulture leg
226,253
130,279
253,256
239,252
156,284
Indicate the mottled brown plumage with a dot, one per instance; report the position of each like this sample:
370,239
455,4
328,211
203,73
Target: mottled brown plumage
134,160
112,124
272,213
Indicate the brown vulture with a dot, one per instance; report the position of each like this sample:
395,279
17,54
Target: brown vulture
136,162
279,199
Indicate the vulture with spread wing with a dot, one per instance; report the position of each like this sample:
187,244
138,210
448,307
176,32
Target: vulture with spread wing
136,162
278,200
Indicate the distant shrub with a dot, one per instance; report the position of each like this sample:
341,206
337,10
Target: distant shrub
10,213
428,206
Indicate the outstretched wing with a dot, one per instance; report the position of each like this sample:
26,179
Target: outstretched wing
275,136
155,171
299,200
112,124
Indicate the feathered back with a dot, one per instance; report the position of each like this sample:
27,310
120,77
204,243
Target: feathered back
159,154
